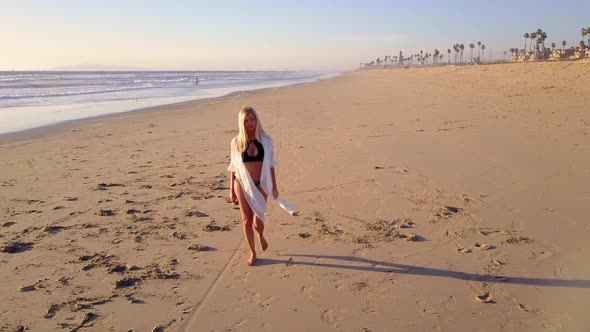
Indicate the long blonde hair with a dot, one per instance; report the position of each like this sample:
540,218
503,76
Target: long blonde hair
242,138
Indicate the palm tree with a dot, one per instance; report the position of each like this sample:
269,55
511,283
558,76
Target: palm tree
563,43
526,36
471,46
584,32
449,57
478,47
552,46
461,47
543,38
533,36
483,47
456,49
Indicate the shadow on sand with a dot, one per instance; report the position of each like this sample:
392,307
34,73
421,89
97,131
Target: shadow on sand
376,266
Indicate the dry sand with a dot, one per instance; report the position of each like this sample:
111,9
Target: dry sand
419,191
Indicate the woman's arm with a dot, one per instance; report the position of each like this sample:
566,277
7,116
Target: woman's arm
275,190
232,168
232,193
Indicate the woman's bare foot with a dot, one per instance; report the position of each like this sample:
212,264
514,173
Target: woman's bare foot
263,243
252,260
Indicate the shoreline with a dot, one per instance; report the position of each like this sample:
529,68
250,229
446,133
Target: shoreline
51,129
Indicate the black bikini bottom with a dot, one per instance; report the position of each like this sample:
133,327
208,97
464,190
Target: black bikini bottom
256,183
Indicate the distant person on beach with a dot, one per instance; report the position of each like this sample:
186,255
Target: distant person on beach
253,177
197,80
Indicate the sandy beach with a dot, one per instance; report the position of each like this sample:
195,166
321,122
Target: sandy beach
430,199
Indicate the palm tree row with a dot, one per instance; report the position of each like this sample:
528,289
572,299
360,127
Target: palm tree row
538,37
584,32
536,49
425,58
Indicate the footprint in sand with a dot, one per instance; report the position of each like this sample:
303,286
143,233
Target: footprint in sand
559,271
540,256
54,229
16,247
359,286
83,322
464,250
53,309
105,213
306,292
485,298
266,303
106,186
198,247
524,307
240,323
330,317
196,214
214,228
39,284
368,307
497,262
517,240
483,246
411,237
487,232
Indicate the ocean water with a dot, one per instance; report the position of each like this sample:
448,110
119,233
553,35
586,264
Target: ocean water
34,99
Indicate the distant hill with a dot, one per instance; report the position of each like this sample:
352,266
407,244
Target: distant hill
93,67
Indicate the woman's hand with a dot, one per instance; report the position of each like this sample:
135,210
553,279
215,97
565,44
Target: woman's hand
275,192
234,197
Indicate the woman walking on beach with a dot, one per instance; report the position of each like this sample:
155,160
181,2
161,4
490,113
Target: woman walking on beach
253,177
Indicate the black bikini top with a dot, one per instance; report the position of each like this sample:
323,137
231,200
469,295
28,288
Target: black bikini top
259,157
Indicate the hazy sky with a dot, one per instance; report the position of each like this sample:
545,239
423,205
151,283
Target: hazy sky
248,35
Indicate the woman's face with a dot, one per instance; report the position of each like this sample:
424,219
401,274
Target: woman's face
250,122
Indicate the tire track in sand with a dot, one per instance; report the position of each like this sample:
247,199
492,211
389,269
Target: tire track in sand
195,312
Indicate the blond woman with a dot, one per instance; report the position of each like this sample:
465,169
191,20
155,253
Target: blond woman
253,176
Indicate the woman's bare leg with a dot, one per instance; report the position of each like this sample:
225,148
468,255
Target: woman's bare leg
259,227
247,221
